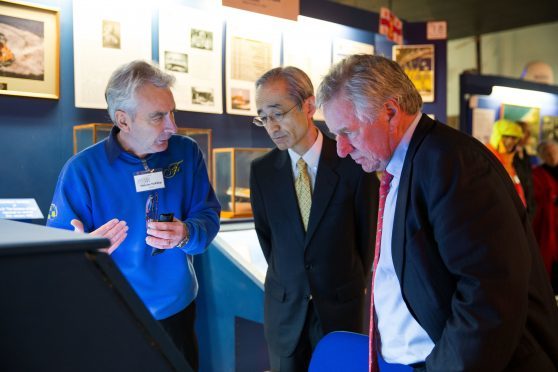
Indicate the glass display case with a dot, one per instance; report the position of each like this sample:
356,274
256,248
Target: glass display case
231,179
203,138
86,135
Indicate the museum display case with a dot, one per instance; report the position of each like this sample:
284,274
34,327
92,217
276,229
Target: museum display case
87,134
231,179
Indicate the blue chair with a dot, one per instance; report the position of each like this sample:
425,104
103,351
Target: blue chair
340,351
347,351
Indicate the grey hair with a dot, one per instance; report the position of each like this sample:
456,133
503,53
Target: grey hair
127,79
299,85
543,145
368,81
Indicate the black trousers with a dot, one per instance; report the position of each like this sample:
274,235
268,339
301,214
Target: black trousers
299,361
180,328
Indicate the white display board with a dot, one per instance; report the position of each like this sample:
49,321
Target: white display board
253,47
107,34
343,48
190,43
307,45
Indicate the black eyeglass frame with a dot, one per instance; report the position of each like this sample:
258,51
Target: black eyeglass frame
262,121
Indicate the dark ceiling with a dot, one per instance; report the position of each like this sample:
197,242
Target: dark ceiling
468,17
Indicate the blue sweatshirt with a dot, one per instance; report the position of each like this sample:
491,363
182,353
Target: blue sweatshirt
97,185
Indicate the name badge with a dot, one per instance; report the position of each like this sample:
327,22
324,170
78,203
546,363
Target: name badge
149,180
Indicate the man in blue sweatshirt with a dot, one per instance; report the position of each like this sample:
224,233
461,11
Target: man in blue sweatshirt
120,187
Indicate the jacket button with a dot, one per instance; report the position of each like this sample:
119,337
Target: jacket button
309,297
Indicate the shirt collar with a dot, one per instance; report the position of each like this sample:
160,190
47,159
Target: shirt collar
112,146
312,156
395,164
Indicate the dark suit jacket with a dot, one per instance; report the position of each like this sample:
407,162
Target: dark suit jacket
331,262
467,261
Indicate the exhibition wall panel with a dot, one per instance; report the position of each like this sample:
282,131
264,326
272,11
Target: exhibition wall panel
36,134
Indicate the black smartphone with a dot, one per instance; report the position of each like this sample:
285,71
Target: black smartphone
164,217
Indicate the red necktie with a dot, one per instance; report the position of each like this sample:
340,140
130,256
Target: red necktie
372,349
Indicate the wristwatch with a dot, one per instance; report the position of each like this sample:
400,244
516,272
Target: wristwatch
186,239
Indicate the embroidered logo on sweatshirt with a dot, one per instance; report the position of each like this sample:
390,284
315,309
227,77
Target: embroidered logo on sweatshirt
172,169
52,212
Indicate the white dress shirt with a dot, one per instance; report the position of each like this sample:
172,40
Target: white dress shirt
402,339
311,157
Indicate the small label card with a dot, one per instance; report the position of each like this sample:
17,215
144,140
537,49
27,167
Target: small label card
149,180
19,209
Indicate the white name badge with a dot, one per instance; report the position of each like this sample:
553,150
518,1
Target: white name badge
149,180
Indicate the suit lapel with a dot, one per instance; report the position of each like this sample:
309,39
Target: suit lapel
326,182
398,238
283,180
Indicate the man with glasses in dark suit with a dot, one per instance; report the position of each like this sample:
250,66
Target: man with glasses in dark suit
315,217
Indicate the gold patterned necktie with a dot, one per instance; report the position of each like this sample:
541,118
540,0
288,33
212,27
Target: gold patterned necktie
303,189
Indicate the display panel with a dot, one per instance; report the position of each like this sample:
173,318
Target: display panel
190,49
307,45
106,36
253,48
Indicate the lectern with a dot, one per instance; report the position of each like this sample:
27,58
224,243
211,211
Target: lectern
65,306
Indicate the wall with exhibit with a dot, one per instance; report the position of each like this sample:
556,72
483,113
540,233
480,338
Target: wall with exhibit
56,57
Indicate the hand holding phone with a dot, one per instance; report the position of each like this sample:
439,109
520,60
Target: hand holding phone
164,217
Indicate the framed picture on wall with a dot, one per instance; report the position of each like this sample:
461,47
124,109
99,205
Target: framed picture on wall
29,50
529,115
418,63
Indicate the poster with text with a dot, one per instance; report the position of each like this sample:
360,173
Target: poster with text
106,35
190,49
253,48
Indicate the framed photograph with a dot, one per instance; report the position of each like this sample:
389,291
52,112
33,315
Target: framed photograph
418,63
106,35
529,115
111,34
29,50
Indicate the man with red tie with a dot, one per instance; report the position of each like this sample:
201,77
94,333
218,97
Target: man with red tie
459,284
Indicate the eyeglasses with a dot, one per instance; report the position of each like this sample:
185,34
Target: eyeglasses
262,121
151,208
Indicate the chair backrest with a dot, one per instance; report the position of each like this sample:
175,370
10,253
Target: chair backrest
341,351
